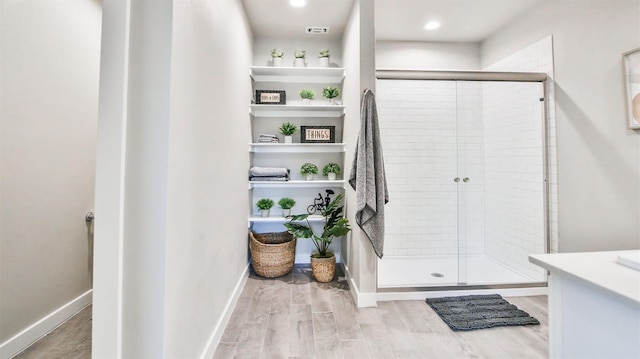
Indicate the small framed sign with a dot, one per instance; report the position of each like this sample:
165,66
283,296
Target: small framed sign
318,134
271,97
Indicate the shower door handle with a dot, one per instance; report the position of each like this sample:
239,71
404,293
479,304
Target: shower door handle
466,179
456,180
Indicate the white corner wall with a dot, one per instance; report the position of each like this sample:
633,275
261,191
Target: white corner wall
48,114
598,172
208,162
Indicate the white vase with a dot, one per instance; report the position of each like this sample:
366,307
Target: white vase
332,101
286,212
277,61
306,101
309,176
323,61
298,62
288,139
264,213
331,176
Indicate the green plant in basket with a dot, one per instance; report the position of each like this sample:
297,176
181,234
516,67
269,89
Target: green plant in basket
288,128
286,203
331,168
308,169
307,94
330,92
264,203
335,225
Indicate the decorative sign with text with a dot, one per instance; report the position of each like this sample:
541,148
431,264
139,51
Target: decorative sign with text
271,97
318,134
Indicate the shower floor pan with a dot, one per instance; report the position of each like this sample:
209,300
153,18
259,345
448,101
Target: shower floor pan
442,270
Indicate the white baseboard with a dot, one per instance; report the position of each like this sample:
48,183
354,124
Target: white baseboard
216,335
362,300
420,295
43,326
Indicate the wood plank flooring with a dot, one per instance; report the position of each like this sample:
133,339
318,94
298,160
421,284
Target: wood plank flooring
296,317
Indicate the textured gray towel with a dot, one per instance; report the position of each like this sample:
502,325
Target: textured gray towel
368,177
268,172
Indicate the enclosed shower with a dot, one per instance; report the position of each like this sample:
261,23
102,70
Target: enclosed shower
465,161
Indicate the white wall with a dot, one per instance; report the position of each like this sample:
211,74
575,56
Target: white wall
427,55
598,172
312,44
48,115
208,161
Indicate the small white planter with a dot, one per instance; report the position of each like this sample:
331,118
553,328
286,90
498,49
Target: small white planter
309,176
288,139
323,61
276,61
332,101
298,62
264,213
331,176
306,101
286,212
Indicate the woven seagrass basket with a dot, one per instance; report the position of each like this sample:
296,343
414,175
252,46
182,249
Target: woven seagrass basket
274,258
323,269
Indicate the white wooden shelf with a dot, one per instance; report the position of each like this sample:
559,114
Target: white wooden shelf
297,184
296,110
280,219
296,147
328,75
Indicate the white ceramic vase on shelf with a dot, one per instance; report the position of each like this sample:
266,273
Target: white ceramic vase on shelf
298,62
331,176
264,213
306,101
323,61
277,61
286,212
309,176
288,139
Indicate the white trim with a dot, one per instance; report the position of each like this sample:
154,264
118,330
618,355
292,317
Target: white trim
362,300
216,335
419,295
42,327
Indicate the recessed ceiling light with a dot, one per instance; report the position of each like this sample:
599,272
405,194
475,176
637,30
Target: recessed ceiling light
298,3
432,25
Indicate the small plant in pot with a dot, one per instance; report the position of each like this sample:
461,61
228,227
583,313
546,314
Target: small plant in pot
323,263
300,55
288,129
264,205
307,95
309,170
331,170
276,57
286,204
323,58
330,93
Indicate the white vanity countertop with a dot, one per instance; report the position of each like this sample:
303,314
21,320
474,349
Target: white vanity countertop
599,269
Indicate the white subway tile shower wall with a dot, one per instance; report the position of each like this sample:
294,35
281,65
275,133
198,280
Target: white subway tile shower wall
538,57
420,141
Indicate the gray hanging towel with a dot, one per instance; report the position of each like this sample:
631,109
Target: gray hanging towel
367,175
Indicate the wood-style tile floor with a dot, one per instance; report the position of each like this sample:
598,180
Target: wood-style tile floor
296,317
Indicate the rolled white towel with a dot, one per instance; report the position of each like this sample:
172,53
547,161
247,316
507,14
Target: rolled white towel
268,172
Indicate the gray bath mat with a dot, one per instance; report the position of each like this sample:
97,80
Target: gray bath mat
473,312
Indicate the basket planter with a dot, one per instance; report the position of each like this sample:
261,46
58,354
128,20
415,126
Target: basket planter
272,254
323,269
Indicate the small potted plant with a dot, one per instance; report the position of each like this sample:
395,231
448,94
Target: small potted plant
264,205
288,129
307,95
330,93
286,204
309,170
276,57
323,263
299,58
323,58
331,170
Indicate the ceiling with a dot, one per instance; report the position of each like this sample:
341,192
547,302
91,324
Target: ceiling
399,20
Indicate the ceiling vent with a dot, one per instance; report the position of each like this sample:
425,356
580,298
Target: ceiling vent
322,30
